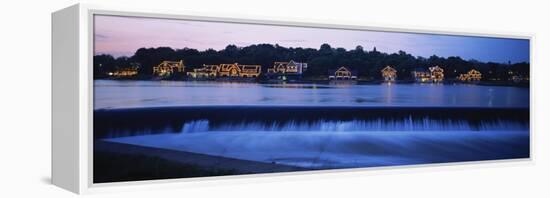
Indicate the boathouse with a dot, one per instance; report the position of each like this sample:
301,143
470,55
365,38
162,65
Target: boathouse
288,68
342,73
168,68
437,74
124,72
421,75
389,74
472,76
236,70
206,71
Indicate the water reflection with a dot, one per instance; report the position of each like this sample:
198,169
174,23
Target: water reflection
129,94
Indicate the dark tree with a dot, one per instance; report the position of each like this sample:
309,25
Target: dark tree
367,63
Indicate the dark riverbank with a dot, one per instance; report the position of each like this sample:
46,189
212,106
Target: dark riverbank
116,162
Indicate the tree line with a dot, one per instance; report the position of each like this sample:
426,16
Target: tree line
366,63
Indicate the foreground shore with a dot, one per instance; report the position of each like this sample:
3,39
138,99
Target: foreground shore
110,159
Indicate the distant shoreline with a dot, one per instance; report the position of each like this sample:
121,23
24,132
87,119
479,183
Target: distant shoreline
358,82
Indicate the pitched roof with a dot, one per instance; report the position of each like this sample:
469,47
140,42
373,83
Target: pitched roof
332,71
389,68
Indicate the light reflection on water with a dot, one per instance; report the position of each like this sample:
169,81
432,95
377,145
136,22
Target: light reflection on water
129,94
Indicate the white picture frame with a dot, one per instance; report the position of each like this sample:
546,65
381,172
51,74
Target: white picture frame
72,98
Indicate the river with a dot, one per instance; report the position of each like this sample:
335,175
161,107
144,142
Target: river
112,94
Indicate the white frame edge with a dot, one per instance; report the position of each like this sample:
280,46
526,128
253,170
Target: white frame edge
65,102
72,43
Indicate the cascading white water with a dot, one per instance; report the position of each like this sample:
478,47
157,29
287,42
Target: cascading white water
338,144
195,126
407,124
331,144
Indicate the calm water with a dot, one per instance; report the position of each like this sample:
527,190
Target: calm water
128,94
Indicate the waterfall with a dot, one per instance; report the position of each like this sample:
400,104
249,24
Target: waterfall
407,124
195,126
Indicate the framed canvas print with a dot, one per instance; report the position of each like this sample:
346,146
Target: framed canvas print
143,97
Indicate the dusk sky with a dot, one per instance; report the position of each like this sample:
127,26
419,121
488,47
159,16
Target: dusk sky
122,36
